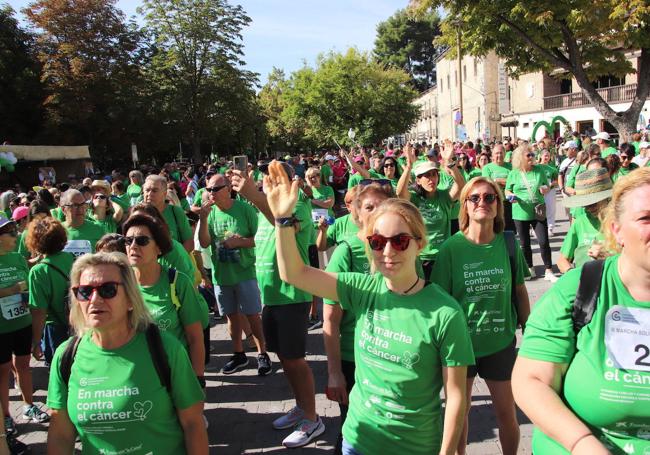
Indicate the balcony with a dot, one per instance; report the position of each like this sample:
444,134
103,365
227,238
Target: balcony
611,95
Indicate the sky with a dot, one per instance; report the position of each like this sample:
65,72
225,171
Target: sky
288,33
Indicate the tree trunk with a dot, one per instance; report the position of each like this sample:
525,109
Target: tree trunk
196,148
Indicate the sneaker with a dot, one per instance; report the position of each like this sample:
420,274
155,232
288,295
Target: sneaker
33,413
237,362
550,276
290,419
550,231
532,274
16,447
314,323
10,426
304,433
263,364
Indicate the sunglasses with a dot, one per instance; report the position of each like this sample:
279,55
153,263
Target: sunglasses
489,198
389,165
624,157
382,182
462,158
140,240
429,174
400,242
530,155
215,189
83,205
100,196
106,290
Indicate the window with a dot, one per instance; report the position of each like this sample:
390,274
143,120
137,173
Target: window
565,86
525,125
608,81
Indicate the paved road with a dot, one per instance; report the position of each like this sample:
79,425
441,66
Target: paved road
241,407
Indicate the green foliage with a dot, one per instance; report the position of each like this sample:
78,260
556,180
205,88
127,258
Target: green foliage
406,42
317,106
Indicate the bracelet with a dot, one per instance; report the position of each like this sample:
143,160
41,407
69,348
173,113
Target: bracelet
289,221
578,440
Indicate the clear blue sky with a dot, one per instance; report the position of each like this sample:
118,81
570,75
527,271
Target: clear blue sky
286,33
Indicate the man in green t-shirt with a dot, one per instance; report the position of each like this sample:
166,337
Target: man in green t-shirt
603,140
83,233
229,227
498,170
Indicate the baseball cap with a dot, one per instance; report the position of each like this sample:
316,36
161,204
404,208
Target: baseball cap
432,152
5,221
604,135
424,167
644,145
20,213
570,145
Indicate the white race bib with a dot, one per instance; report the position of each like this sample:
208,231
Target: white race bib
78,247
627,337
317,214
12,307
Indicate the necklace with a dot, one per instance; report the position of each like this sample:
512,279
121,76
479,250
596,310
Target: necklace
417,280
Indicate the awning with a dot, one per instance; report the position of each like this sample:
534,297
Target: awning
47,152
510,123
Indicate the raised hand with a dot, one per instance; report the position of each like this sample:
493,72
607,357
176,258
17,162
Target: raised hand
409,151
281,193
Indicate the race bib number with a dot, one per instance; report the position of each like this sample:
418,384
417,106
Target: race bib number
78,247
627,337
12,307
317,214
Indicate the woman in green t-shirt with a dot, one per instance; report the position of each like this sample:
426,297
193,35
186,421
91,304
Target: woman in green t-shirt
105,212
474,267
134,190
406,348
116,394
586,390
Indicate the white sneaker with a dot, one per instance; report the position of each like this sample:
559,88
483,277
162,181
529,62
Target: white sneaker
550,276
304,433
290,419
550,231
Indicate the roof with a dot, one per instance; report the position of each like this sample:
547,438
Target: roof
47,152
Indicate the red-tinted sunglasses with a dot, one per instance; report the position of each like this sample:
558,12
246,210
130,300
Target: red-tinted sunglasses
400,242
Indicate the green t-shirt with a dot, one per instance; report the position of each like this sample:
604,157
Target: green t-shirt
341,228
323,193
48,287
623,171
445,183
232,266
158,301
608,151
108,224
15,310
180,259
480,279
82,240
116,401
21,246
198,197
348,256
354,180
584,231
436,212
325,174
57,214
179,226
494,171
551,173
122,200
573,173
507,157
134,193
402,344
273,290
612,401
378,176
524,207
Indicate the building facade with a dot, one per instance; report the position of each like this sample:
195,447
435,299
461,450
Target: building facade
426,127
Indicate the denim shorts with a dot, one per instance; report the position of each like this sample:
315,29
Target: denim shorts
242,298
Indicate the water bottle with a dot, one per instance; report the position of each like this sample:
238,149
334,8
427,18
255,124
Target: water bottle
329,220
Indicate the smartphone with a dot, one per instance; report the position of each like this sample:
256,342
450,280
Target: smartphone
241,162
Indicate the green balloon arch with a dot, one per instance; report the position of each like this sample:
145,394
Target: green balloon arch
549,127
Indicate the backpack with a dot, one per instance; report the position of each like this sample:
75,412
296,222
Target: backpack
66,295
156,349
509,237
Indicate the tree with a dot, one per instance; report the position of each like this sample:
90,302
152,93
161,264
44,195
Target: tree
345,91
271,105
585,38
197,64
21,114
405,41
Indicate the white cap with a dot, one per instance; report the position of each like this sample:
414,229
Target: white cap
644,145
604,135
570,145
330,158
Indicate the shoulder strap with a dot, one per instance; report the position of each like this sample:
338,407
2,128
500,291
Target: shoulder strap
586,299
159,356
525,180
509,237
57,269
178,228
172,275
67,358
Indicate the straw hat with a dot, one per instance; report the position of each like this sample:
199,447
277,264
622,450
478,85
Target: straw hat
591,187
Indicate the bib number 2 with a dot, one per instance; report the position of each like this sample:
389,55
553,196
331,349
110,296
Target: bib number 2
645,353
627,337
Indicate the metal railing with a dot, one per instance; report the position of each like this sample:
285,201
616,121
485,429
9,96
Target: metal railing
617,94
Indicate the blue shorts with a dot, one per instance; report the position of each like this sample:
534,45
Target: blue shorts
242,298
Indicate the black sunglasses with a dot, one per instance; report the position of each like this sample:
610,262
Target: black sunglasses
140,240
100,196
530,155
106,290
389,164
476,198
366,182
400,242
215,189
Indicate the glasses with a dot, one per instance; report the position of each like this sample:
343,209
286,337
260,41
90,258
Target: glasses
106,290
83,205
530,155
429,174
140,240
462,158
382,182
488,198
400,242
215,189
624,157
389,164
100,197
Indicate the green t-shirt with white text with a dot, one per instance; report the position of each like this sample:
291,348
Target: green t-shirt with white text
83,239
15,313
524,207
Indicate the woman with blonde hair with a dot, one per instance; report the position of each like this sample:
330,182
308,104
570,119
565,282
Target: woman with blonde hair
108,384
406,348
526,186
582,375
483,268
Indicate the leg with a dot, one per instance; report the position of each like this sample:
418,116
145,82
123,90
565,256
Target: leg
24,375
507,215
234,322
549,199
462,442
541,232
503,404
5,369
255,322
301,380
523,229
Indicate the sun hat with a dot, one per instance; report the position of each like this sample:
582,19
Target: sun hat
20,213
424,167
591,186
102,185
604,135
570,145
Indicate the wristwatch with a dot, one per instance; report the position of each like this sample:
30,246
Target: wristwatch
286,222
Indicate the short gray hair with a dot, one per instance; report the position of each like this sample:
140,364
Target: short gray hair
67,196
157,180
136,176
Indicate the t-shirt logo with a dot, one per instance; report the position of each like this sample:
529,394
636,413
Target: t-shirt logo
409,359
142,408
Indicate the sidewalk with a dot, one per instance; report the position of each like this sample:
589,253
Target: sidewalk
241,407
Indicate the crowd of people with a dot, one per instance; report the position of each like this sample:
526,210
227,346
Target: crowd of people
414,261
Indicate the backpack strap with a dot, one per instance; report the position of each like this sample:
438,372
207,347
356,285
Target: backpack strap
586,299
159,356
67,278
172,275
67,358
509,237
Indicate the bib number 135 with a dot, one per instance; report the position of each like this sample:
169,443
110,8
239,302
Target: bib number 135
627,337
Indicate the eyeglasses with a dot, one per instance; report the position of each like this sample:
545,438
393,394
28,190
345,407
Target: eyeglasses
100,196
215,189
462,158
382,182
389,164
140,240
83,205
530,155
489,198
106,290
624,157
429,174
400,242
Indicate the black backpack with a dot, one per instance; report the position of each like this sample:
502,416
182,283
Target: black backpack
156,349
